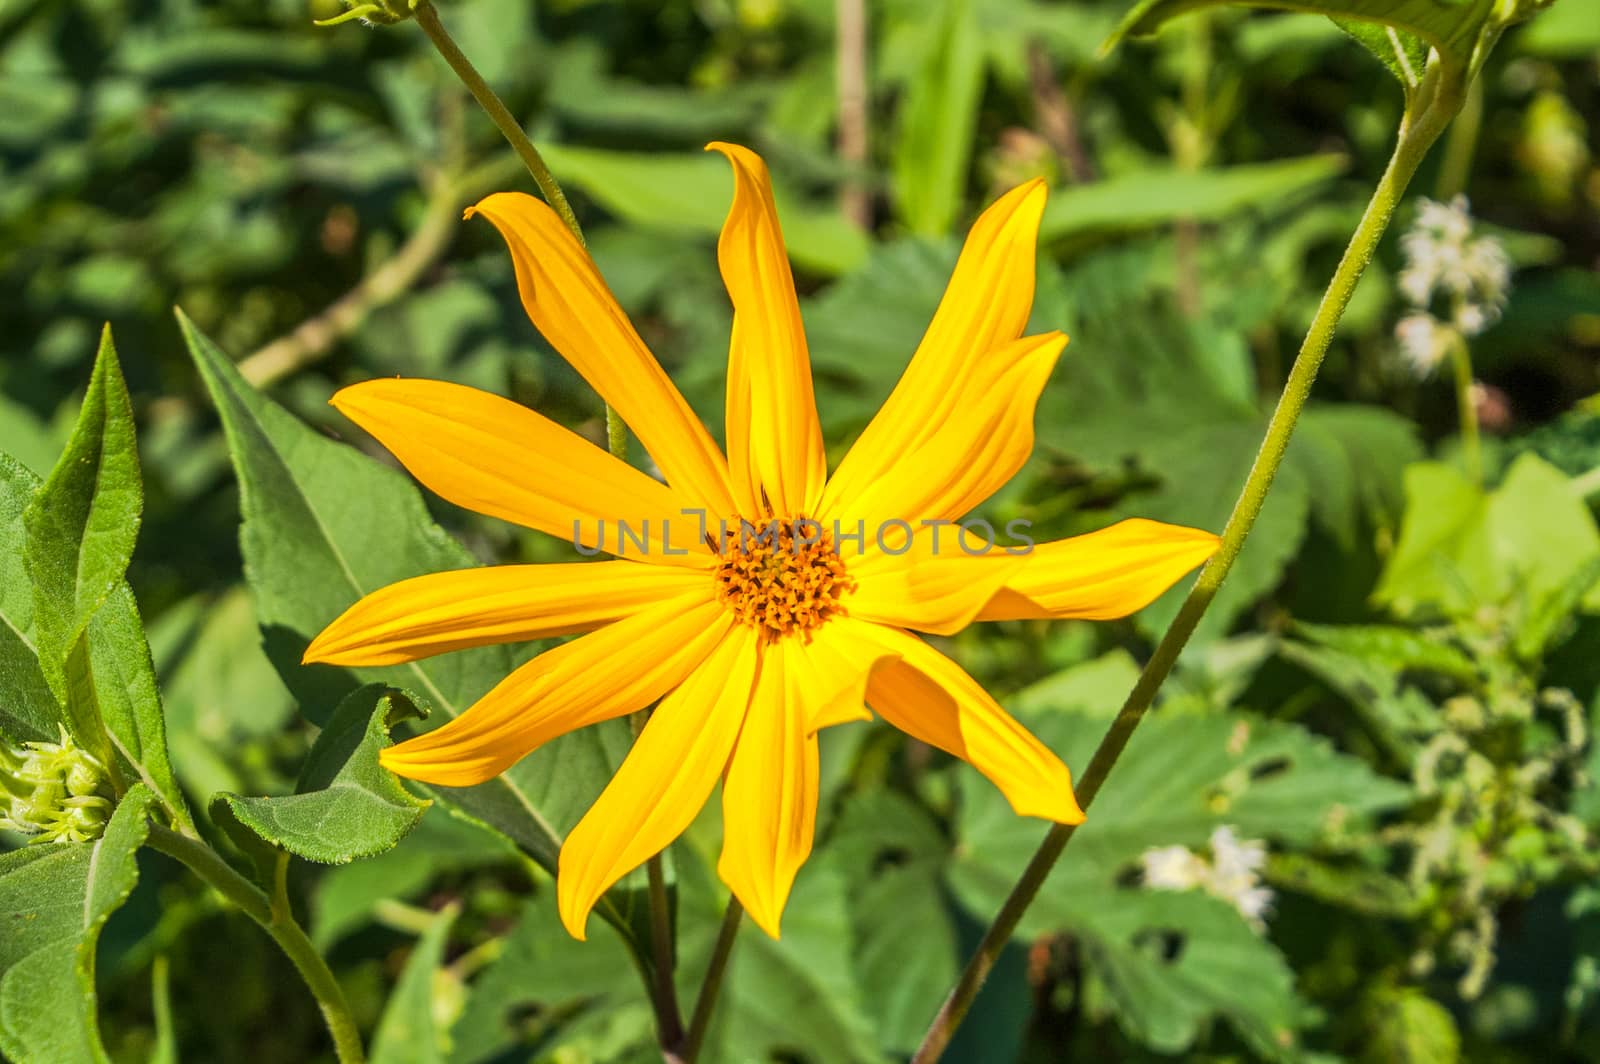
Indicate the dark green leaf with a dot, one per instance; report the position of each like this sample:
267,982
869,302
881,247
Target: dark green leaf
347,806
53,902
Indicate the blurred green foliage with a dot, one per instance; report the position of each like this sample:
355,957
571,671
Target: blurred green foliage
1396,690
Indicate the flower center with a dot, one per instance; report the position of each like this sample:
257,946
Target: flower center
782,577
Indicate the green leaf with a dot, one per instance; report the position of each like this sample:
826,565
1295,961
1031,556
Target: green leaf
907,953
1401,51
346,806
28,708
690,194
1157,196
938,117
1170,960
325,525
411,1031
54,900
796,992
1452,26
81,529
1462,548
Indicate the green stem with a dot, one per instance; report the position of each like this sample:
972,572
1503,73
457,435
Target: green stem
277,920
1416,137
707,1002
1466,408
428,18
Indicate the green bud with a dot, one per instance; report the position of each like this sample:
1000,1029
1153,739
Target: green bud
53,791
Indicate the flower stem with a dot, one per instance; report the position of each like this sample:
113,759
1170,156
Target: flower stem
1417,134
1466,408
428,18
707,1002
275,917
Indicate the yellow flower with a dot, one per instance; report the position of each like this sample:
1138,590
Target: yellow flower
750,644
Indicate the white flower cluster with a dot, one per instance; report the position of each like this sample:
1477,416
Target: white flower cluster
1470,275
52,791
1232,874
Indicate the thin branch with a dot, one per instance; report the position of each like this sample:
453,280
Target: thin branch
855,198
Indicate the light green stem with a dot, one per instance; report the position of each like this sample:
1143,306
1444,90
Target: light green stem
707,1002
1466,408
277,920
663,991
1417,135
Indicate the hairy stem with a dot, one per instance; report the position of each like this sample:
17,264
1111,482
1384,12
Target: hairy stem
275,917
707,1001
1417,135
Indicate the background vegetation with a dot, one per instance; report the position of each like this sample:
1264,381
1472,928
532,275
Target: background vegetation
1395,692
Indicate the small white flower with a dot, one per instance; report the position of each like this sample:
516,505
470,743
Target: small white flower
1444,259
1174,868
1422,341
1232,875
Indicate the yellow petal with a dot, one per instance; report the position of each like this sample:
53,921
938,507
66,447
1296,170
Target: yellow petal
830,672
615,671
978,449
569,303
666,778
985,306
499,458
931,698
942,582
498,604
1105,574
769,796
784,438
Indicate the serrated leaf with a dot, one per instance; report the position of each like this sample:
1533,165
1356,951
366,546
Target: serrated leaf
81,528
346,805
410,1030
325,525
1452,26
28,708
1181,777
1394,648
53,902
938,116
